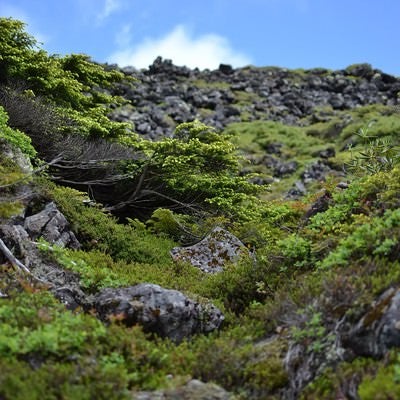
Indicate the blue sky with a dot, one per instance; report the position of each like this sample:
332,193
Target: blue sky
204,33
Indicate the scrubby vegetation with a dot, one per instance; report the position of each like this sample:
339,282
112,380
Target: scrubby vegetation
320,260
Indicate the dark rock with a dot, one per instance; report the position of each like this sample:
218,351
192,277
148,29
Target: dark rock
378,330
342,185
337,101
297,191
64,284
321,204
327,153
213,252
315,172
52,226
273,148
226,69
167,313
360,70
161,66
230,111
285,168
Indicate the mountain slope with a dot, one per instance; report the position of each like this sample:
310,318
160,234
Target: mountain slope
97,192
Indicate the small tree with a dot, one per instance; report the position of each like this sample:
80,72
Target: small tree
74,83
197,170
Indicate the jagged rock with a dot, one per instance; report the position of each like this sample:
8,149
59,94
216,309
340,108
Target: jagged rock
226,69
327,153
52,226
213,252
274,148
168,313
372,335
281,169
378,330
64,284
193,390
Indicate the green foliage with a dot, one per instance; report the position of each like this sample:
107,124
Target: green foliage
50,353
379,154
312,330
295,250
238,286
199,180
384,385
296,143
165,222
376,237
18,139
202,166
98,270
74,83
100,231
41,326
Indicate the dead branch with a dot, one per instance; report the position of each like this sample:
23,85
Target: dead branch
13,260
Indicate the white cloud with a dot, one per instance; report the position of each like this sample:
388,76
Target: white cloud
123,37
110,6
206,51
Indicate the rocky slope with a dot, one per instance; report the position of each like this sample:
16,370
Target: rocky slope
166,95
299,299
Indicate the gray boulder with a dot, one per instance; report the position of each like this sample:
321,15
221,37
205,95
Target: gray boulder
193,390
213,252
168,313
52,226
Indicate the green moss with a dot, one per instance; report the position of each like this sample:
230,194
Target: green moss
203,84
10,208
385,384
243,98
98,270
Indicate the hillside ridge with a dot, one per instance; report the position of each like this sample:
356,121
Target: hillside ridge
166,95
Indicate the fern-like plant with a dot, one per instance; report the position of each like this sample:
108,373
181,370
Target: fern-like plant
379,154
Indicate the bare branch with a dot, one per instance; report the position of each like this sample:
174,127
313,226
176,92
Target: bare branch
34,172
13,260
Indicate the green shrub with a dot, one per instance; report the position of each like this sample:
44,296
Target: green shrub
100,231
385,384
74,82
18,139
295,250
377,237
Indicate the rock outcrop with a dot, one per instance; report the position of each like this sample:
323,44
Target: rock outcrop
51,225
213,252
168,313
21,234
